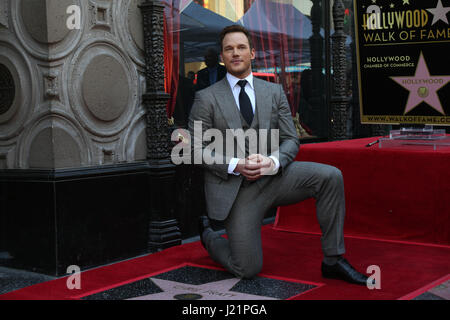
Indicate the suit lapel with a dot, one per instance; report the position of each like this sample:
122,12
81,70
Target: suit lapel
263,103
227,104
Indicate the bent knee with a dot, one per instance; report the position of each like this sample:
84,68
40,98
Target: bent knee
250,271
332,174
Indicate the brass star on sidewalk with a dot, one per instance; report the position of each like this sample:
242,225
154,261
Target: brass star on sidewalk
217,290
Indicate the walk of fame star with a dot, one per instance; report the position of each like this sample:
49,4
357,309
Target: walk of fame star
208,291
423,87
194,283
439,13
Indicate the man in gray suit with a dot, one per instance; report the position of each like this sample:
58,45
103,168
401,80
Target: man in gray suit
239,191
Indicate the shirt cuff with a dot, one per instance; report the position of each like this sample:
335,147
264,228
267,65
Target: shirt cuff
277,163
232,165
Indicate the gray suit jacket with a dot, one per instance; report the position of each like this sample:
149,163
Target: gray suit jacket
216,108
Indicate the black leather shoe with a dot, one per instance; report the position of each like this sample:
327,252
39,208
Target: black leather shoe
203,225
343,270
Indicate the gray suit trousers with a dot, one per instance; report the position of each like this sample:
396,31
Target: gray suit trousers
241,254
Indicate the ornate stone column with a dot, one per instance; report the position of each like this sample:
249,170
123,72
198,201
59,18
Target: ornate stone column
163,228
339,99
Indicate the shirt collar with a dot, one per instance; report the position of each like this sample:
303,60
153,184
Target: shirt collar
232,80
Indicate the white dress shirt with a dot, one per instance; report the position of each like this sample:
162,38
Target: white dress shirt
236,89
250,90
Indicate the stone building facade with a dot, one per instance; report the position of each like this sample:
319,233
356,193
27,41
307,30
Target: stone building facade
76,187
71,98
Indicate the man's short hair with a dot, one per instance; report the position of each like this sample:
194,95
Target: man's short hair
235,28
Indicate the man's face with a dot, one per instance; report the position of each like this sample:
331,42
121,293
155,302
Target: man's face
237,55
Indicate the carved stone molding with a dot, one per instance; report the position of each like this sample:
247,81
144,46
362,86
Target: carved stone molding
51,85
31,26
4,17
101,15
21,107
134,145
67,137
130,30
106,151
103,86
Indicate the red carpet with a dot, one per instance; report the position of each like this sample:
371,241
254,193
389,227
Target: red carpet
393,193
405,268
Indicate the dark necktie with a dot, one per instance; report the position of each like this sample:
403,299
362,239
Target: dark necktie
244,103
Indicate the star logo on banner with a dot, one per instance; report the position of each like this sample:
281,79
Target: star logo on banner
439,13
423,87
217,290
406,2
